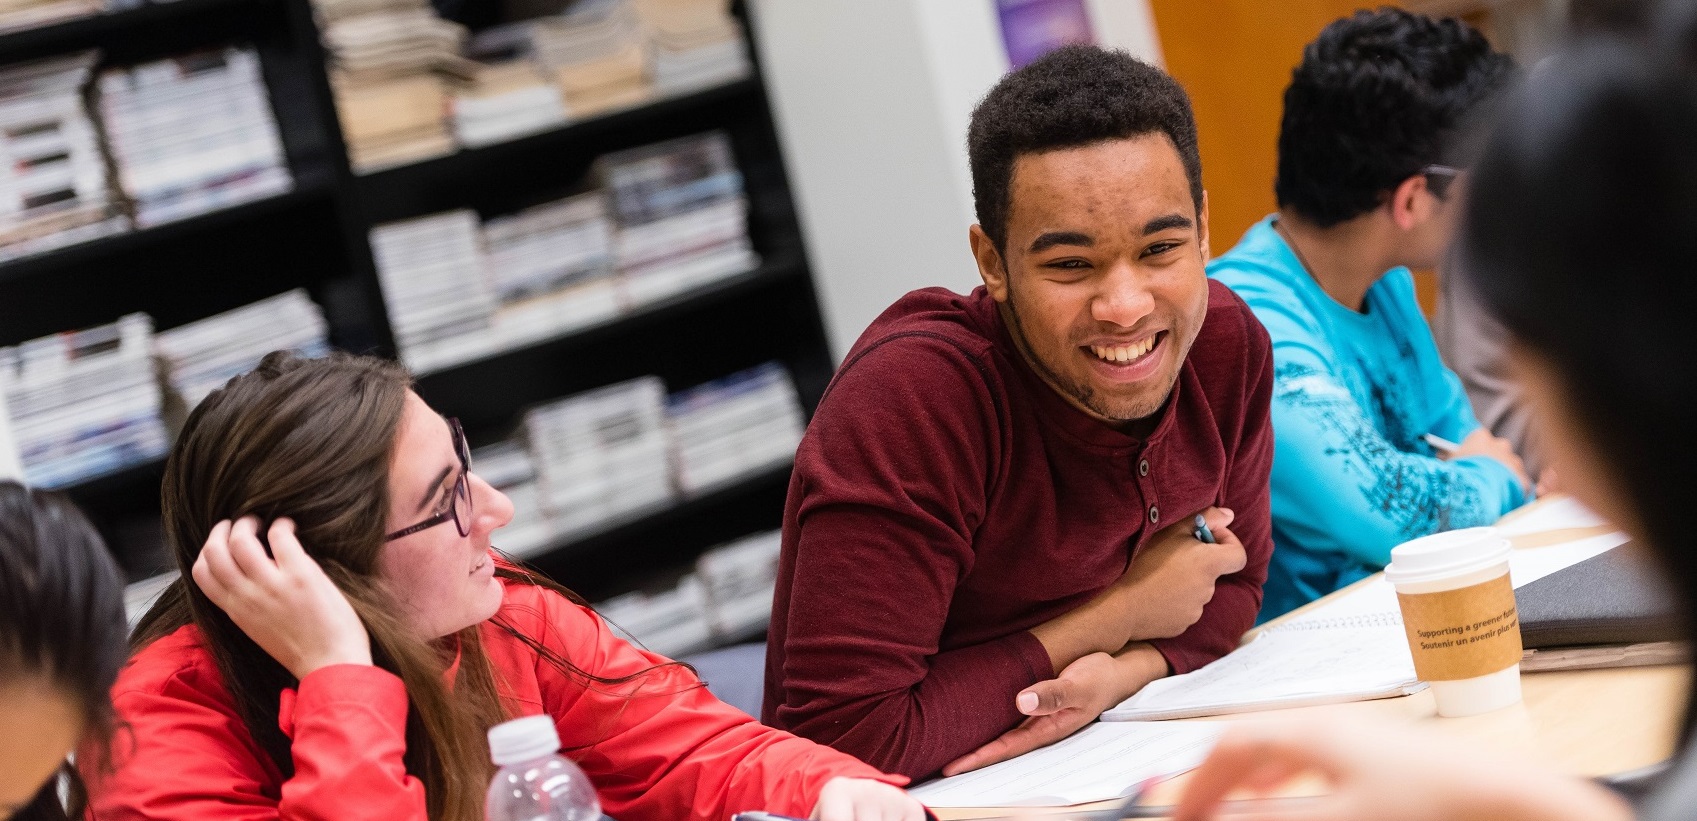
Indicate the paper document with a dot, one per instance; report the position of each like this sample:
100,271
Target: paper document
1556,514
1098,763
1352,649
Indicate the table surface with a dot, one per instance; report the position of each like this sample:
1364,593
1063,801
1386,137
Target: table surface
1583,722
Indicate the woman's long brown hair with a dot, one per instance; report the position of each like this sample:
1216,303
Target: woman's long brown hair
312,439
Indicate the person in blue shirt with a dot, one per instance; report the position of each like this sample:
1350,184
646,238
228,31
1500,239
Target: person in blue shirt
1364,411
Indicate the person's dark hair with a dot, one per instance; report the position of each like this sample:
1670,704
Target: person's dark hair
61,621
1378,96
1580,236
1071,97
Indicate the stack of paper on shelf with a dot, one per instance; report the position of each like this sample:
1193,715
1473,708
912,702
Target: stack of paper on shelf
192,134
740,579
438,300
387,64
200,357
672,623
507,94
85,403
598,52
506,466
729,428
696,44
53,184
681,215
601,456
16,15
552,268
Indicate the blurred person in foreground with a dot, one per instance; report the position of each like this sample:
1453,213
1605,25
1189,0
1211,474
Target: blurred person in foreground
62,642
1371,178
1580,237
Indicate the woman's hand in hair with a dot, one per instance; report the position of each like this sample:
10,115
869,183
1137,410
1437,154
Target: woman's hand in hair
862,799
1386,773
283,601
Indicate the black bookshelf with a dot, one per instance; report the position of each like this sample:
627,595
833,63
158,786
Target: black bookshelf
316,237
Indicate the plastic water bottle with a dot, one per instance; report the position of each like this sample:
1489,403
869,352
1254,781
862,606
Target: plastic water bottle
535,782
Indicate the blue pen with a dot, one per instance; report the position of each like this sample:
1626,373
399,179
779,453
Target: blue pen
1201,531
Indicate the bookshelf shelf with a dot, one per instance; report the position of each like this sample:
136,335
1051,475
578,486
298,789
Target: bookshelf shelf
98,29
318,237
140,239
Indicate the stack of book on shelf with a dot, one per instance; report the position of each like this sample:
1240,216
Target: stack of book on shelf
696,44
601,456
53,184
388,60
506,466
598,53
439,302
507,94
552,269
192,134
16,15
84,403
740,579
732,427
681,214
671,622
200,357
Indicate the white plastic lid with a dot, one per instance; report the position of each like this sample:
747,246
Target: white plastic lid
1445,555
523,739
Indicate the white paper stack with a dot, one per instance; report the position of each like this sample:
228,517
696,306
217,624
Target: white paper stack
507,467
672,623
740,579
681,215
729,428
508,94
388,60
53,184
16,15
200,357
696,44
192,134
552,268
601,456
439,301
598,52
140,596
84,404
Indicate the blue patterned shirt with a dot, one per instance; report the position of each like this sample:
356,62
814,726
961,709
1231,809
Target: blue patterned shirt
1353,395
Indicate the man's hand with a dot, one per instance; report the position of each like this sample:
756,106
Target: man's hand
862,799
1161,594
1481,443
1062,705
1172,579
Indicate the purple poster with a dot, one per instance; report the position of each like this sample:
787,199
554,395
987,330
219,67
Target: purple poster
1032,28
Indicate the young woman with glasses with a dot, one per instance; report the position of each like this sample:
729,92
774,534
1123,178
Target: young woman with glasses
344,636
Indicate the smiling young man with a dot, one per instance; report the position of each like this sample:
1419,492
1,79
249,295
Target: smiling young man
1368,187
988,538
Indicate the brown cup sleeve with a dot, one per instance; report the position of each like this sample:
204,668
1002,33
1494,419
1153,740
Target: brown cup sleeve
1462,633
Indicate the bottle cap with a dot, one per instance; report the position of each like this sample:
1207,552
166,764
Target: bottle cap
523,739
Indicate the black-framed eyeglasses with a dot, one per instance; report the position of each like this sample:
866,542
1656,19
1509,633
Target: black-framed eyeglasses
1439,178
459,504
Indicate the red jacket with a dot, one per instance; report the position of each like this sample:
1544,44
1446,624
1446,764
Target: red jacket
679,754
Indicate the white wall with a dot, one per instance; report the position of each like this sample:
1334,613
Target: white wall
872,99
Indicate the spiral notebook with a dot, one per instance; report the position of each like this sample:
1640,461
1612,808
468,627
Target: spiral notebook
1352,649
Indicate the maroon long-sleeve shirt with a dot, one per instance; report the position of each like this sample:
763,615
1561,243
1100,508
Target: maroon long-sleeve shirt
946,500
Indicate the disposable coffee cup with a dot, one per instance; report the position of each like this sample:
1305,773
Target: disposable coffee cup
1458,610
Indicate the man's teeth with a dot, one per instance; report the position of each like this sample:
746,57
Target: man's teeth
1124,353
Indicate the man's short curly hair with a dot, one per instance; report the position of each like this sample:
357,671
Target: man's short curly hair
1378,96
1072,97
